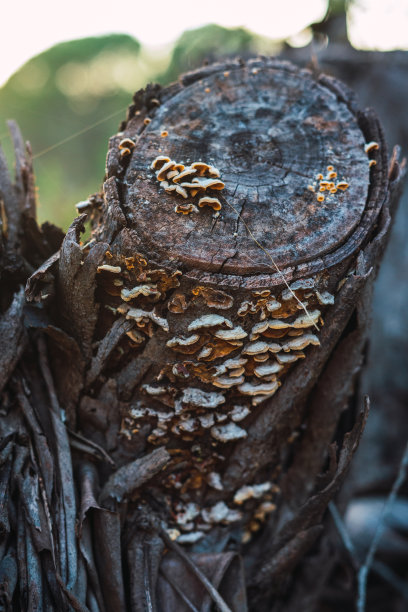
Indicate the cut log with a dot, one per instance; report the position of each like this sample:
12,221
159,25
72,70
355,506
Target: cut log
228,306
217,319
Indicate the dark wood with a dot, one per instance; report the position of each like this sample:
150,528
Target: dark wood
92,380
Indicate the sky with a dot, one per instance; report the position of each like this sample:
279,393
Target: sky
30,27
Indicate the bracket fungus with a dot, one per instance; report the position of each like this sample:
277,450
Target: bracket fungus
213,203
187,181
209,320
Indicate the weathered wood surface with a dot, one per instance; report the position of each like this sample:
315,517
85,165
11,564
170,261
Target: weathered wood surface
108,364
270,131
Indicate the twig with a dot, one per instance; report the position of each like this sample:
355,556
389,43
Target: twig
133,475
341,528
214,594
178,590
46,372
392,578
78,441
365,568
378,567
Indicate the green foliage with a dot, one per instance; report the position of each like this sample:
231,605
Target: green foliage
70,99
61,92
209,43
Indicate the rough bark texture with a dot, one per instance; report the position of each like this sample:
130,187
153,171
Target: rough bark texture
191,375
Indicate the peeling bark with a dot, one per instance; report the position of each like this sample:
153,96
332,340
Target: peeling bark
191,376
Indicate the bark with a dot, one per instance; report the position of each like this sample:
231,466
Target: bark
191,376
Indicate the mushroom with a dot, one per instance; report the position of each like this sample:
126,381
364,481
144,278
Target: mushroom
186,514
254,348
136,336
268,369
262,389
204,353
138,411
249,492
230,364
214,203
285,358
237,333
193,186
147,290
161,174
203,169
108,268
200,167
127,143
272,305
245,308
156,433
228,433
159,162
264,509
177,304
187,171
220,513
211,320
213,297
238,413
138,315
201,399
261,358
176,342
307,320
214,480
154,390
226,383
278,324
343,185
307,283
185,209
371,146
206,420
83,205
208,183
300,342
237,372
181,191
168,188
189,425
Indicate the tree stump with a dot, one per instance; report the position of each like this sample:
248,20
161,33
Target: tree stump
207,342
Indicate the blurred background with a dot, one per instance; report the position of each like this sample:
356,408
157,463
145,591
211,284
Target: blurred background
68,72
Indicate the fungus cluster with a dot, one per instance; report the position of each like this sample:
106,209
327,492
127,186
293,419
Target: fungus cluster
215,372
126,146
369,147
189,181
137,288
326,183
251,505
